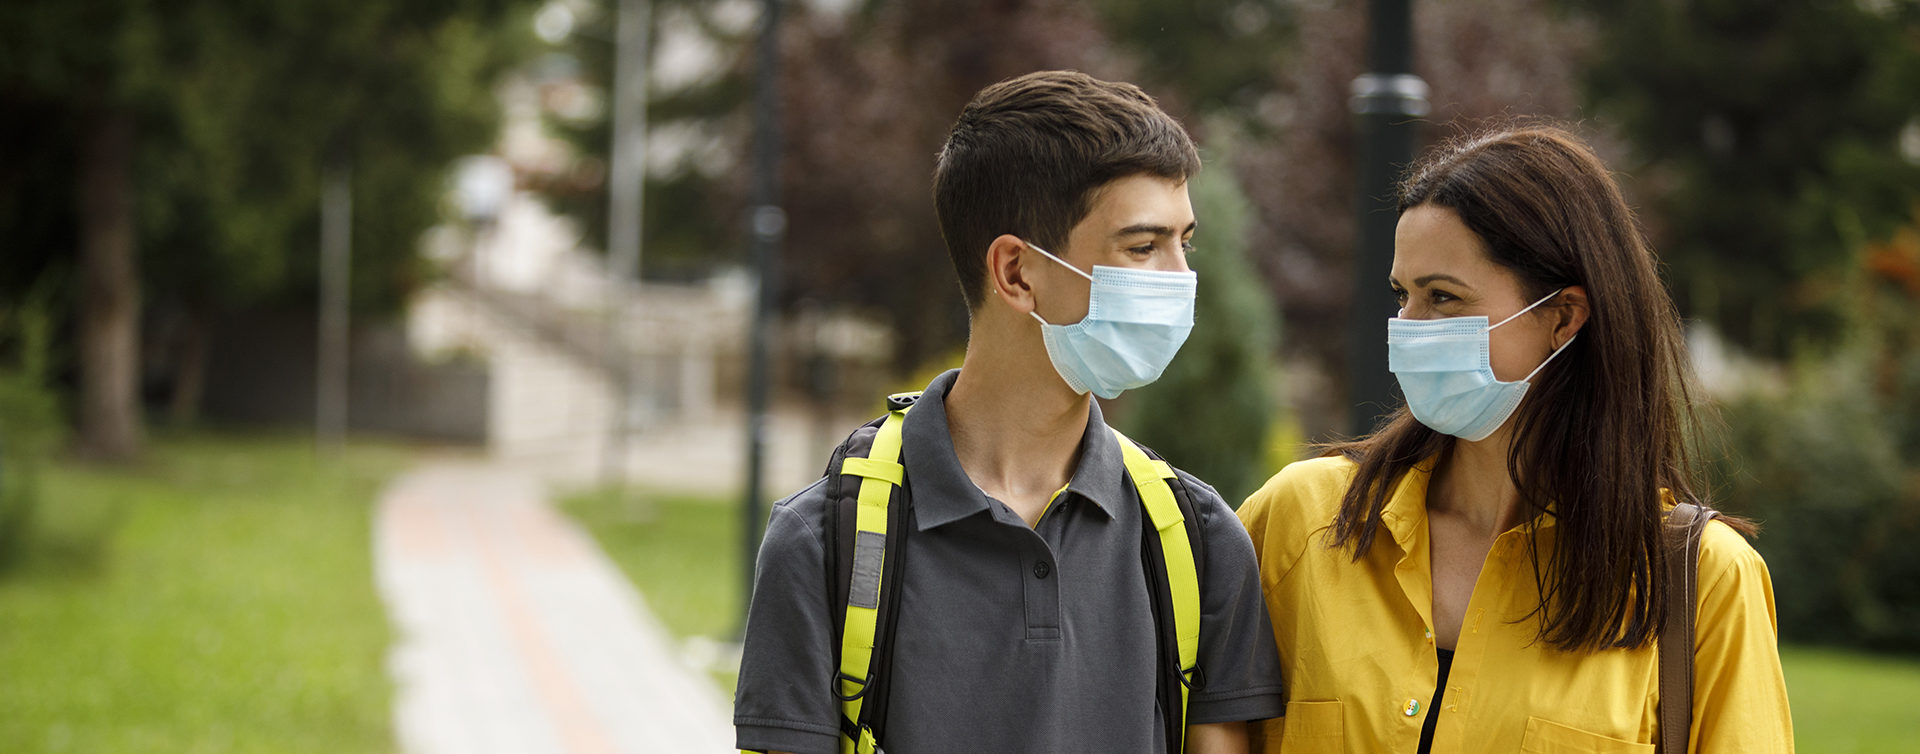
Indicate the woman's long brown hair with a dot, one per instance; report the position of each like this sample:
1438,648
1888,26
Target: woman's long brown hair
1606,426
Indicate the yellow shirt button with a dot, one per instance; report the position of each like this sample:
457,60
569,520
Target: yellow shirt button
1413,707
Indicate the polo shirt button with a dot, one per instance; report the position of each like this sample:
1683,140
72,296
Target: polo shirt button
1413,707
1041,569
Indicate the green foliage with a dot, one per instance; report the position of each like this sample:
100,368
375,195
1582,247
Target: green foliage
1213,57
238,109
1210,412
31,423
1830,465
1771,137
690,210
229,606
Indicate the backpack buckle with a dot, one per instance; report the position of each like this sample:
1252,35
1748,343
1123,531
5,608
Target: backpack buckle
902,401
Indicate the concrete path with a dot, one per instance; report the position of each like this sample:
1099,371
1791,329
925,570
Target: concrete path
517,635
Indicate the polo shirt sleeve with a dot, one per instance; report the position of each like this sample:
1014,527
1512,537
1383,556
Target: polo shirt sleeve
1237,650
782,702
1739,693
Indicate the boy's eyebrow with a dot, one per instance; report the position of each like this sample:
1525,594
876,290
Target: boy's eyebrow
1158,230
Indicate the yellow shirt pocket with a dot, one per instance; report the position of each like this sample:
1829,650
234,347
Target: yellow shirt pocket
1548,737
1313,727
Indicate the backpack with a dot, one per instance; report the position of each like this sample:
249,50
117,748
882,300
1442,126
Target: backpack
866,553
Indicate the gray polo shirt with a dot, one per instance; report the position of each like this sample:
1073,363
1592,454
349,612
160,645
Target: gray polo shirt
1010,638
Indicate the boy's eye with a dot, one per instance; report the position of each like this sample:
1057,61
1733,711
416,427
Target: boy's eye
1186,246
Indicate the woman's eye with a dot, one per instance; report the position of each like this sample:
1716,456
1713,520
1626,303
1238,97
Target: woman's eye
1440,297
1186,247
1400,295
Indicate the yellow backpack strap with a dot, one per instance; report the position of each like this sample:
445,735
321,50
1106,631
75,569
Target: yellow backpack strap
880,472
1183,579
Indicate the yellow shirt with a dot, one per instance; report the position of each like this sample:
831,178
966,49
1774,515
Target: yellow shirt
1356,641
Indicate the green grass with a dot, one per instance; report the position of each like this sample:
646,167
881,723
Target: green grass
1846,702
219,597
683,553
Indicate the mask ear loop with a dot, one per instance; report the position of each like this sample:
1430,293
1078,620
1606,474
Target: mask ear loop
1063,263
1556,351
1076,270
1516,315
1550,357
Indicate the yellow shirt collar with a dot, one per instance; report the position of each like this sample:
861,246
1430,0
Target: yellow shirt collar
1405,514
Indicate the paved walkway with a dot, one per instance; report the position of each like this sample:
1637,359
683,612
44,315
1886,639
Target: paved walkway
517,635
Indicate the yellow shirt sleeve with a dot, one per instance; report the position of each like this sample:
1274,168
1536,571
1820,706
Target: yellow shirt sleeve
1739,694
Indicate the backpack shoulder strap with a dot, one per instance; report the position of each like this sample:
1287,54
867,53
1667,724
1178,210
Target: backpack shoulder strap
863,534
1176,570
1684,527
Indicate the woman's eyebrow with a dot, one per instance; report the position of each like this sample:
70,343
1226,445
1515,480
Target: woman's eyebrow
1426,280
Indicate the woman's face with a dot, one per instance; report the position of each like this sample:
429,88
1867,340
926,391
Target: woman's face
1442,269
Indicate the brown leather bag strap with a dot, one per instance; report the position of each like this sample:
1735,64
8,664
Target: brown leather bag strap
1683,530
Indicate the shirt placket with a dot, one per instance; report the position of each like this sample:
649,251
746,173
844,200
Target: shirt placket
1415,578
1036,565
1469,653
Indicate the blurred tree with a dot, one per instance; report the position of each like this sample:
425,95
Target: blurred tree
1223,59
1829,462
1485,60
197,137
697,119
1772,133
1210,412
868,100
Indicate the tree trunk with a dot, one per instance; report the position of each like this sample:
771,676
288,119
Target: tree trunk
190,367
109,315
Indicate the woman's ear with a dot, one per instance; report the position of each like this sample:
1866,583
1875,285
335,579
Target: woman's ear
1007,275
1571,314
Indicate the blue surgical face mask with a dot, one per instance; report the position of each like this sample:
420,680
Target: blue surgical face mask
1136,321
1446,371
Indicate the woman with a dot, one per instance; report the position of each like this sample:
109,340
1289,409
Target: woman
1485,572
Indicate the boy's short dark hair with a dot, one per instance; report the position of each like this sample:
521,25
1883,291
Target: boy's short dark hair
1028,153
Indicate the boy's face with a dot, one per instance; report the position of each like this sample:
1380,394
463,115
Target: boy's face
1139,221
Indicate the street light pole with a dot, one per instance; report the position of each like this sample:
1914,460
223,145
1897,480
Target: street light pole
626,178
1386,101
767,224
336,267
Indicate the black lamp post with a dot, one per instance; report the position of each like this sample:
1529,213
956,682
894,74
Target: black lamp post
767,225
1386,101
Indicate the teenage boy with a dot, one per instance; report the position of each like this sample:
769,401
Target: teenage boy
1026,621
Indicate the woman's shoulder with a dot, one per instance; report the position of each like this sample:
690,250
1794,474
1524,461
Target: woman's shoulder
1299,500
1724,554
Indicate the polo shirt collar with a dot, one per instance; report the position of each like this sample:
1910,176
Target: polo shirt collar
942,491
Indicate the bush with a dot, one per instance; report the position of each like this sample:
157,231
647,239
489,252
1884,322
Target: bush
1830,465
30,420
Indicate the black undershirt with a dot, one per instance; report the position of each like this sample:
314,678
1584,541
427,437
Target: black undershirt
1433,710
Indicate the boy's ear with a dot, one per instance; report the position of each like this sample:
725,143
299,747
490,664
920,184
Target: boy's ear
1007,274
